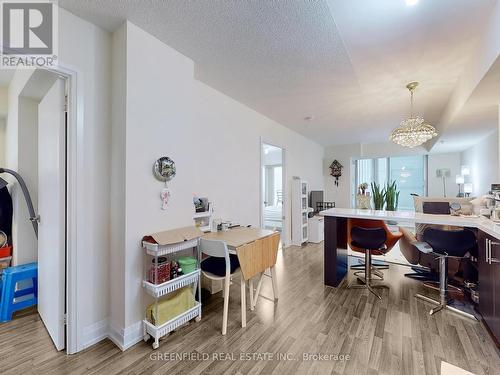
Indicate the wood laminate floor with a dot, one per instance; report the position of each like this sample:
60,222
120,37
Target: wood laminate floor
392,336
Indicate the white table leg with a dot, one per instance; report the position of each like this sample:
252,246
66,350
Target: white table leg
250,285
275,283
257,292
227,281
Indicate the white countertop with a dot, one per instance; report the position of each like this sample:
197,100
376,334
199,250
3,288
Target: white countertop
481,223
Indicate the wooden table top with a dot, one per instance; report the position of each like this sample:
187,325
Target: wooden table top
239,236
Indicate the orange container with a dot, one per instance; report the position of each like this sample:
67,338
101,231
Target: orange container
5,251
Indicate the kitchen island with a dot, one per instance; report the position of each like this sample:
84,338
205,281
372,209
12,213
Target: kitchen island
336,258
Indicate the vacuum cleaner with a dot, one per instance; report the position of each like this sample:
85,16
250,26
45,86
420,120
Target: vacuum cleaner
6,203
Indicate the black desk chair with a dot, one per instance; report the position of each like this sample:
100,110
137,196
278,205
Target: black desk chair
370,239
447,244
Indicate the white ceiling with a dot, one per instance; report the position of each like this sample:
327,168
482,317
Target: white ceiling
344,62
478,117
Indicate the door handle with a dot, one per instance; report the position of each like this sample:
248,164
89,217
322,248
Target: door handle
488,251
493,260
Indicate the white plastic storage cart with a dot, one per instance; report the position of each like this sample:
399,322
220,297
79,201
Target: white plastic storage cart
161,245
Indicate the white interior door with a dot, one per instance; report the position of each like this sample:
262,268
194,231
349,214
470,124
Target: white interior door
52,210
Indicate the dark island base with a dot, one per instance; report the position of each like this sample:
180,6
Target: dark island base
335,250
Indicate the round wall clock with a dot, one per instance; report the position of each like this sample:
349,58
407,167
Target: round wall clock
164,169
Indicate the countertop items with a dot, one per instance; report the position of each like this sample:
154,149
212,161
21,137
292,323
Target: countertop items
481,223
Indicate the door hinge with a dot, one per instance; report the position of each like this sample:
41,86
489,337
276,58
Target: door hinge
66,104
65,319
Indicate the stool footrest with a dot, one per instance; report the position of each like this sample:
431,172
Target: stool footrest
24,292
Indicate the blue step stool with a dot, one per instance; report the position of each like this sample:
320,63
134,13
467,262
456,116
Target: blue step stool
25,274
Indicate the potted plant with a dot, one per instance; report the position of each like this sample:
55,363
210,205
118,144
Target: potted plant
362,188
378,196
391,197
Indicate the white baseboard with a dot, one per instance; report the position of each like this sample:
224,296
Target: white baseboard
132,335
95,332
115,334
125,338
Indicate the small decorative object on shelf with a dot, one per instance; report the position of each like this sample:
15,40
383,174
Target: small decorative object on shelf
164,171
173,291
203,213
363,197
362,188
336,171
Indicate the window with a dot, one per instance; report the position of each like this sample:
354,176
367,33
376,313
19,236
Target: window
407,171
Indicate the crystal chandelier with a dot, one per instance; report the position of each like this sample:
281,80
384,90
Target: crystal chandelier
413,131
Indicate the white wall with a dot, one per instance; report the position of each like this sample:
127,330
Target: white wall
118,187
4,93
215,143
3,125
25,242
13,146
86,48
346,154
483,162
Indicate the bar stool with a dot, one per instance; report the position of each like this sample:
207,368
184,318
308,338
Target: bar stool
391,241
447,244
371,240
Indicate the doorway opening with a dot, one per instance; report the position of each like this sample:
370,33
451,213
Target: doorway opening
36,150
273,188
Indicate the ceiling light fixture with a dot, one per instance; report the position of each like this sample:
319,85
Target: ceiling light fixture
412,131
411,2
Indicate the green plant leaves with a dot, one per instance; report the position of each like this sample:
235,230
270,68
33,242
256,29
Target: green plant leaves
388,196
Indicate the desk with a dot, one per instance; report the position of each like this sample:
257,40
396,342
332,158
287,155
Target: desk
257,250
